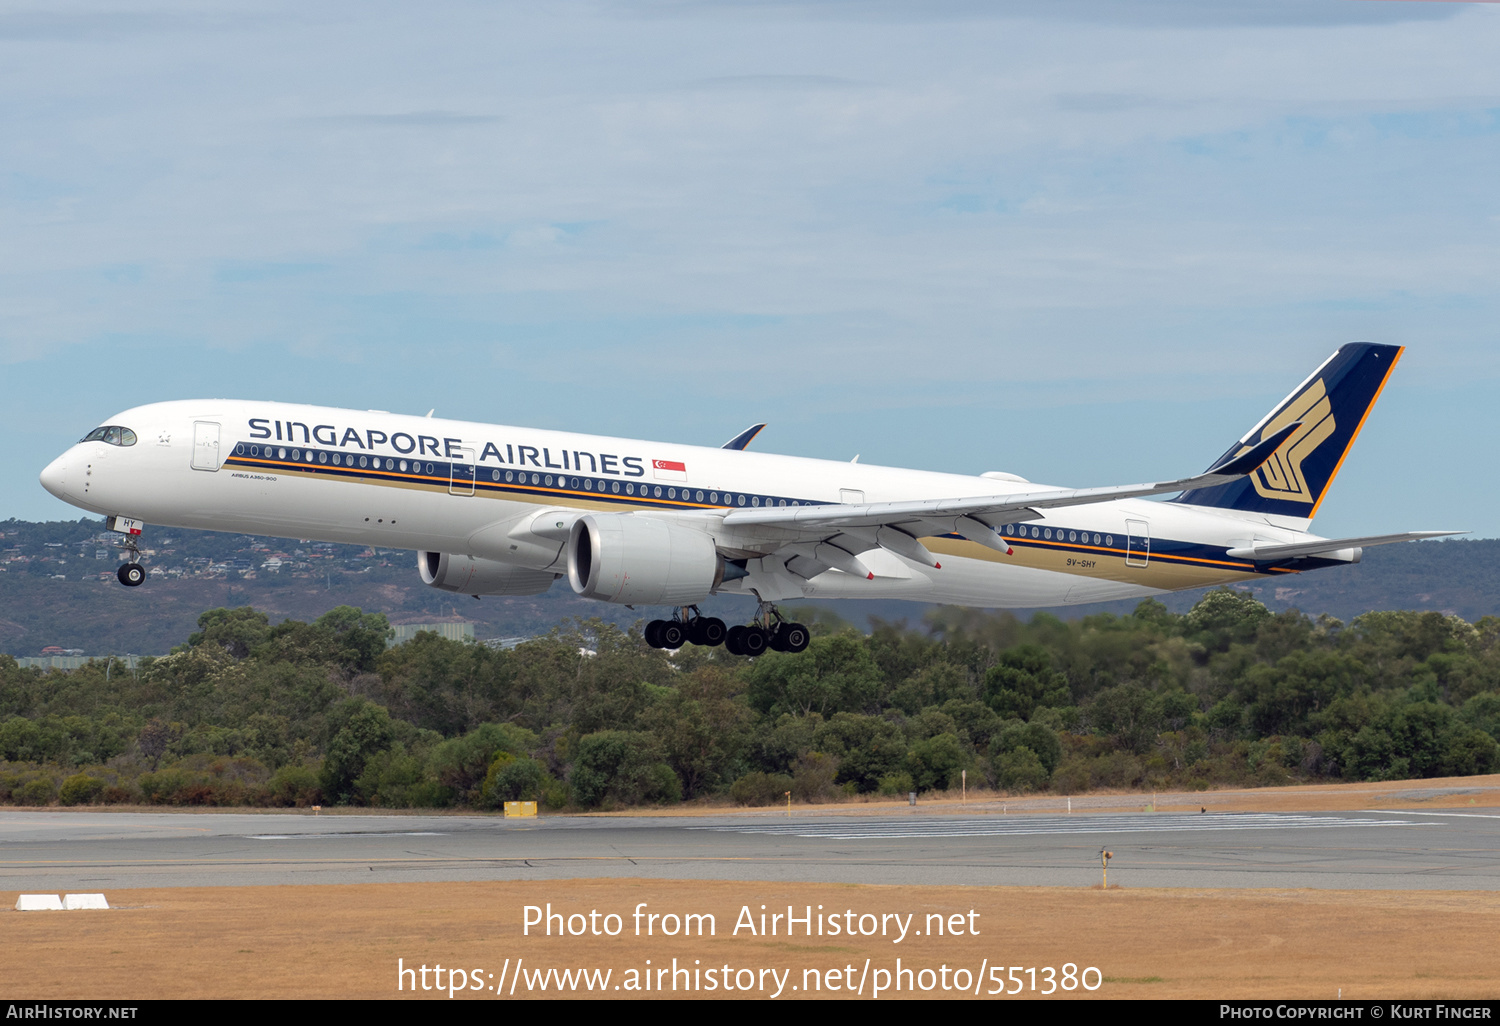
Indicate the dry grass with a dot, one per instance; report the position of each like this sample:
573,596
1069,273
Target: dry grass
344,942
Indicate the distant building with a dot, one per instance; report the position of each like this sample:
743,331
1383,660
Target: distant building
504,644
453,628
74,662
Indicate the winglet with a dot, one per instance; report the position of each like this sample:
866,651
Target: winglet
744,438
1252,458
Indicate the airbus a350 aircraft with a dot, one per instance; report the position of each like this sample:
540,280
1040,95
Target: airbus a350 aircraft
507,511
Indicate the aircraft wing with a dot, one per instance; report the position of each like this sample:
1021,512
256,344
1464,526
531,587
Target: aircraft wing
999,508
815,538
1265,552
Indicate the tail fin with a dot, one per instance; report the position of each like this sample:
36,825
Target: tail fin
1331,405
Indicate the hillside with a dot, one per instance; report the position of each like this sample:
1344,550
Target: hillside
57,587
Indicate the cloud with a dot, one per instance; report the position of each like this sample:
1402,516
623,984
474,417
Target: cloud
767,82
874,222
1150,13
410,119
55,23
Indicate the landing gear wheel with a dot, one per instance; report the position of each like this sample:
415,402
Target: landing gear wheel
671,634
707,630
754,641
732,640
652,633
790,637
131,575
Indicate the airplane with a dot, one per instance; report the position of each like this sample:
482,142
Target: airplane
494,510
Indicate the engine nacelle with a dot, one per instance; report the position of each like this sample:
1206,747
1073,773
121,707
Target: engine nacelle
469,576
622,558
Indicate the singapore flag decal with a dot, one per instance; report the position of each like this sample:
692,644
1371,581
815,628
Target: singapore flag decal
669,470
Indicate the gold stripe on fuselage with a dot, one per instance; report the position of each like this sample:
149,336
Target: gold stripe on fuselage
1104,563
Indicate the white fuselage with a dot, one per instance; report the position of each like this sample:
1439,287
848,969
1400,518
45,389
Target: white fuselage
396,481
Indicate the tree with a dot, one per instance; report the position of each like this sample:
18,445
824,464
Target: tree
834,674
361,729
153,740
1224,616
1023,681
345,636
624,767
237,631
1037,739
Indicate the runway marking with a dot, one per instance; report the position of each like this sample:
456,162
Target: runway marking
1462,815
1032,825
342,836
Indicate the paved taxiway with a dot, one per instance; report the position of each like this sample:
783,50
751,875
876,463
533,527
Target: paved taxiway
57,851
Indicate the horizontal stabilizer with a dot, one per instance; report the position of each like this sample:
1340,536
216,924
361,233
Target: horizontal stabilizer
1290,550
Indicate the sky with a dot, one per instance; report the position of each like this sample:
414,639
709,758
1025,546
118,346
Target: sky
1089,242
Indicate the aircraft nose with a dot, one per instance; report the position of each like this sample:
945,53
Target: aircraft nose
54,478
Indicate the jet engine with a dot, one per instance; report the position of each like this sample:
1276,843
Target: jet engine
469,576
633,559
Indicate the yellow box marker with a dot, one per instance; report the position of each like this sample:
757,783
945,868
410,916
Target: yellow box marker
520,809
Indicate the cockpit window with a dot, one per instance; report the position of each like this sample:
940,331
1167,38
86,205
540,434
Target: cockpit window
111,433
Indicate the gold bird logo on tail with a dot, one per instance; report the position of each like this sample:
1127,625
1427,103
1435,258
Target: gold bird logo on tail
1280,477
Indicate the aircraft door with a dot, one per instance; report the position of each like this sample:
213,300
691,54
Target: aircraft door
461,477
1137,543
205,445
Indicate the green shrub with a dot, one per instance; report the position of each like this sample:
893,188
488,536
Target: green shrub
813,778
1072,776
760,788
294,786
80,789
167,787
1020,770
897,784
622,767
936,762
36,791
512,780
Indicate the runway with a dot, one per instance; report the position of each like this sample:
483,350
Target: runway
63,850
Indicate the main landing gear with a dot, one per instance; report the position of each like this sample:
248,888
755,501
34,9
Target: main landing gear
769,629
686,625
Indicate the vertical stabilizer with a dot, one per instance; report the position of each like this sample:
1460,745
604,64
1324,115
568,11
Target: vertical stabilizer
1331,406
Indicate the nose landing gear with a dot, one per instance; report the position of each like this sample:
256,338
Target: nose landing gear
132,573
